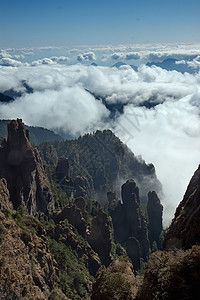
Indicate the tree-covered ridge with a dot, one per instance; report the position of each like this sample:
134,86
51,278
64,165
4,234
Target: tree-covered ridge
104,158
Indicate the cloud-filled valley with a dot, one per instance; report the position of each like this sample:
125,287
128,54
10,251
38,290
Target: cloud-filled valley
159,118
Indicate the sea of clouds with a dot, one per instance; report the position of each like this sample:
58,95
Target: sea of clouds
73,98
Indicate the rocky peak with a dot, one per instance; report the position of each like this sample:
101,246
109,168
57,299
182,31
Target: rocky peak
17,137
154,211
130,226
130,192
62,169
23,169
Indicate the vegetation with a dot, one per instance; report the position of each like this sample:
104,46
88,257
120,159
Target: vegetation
73,277
116,282
172,275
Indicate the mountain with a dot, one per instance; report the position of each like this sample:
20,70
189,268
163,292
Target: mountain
119,64
5,98
54,236
104,158
37,134
58,242
14,94
171,64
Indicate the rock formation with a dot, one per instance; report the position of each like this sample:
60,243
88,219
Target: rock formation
130,226
133,250
184,229
75,216
154,211
23,169
100,237
65,233
62,169
63,176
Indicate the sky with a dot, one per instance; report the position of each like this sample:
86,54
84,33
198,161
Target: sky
75,23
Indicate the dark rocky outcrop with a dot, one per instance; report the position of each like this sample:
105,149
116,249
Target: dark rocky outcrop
133,250
100,237
154,211
23,169
75,216
63,176
62,169
130,226
184,230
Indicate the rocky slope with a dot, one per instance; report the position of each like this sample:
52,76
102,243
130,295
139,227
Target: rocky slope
27,268
184,229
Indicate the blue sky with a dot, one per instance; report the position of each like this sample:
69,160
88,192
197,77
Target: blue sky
26,23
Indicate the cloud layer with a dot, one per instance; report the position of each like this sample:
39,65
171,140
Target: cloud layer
167,135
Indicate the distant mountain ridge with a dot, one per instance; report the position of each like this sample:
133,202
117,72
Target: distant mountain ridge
171,64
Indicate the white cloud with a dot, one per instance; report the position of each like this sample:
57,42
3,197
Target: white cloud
86,56
180,62
169,137
44,61
125,56
9,62
195,63
59,58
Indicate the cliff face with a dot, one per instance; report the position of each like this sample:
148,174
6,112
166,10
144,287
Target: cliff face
23,169
154,211
184,230
100,237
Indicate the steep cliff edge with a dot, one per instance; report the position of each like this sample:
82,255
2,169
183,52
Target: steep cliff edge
184,230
